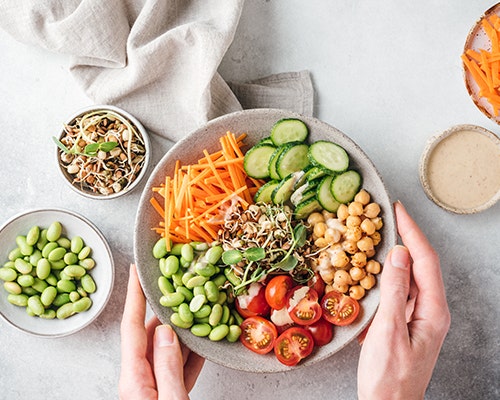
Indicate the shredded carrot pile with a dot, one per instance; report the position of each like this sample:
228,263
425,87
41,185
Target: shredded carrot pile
484,65
194,198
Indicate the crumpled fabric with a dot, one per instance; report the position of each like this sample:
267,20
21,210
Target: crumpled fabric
157,59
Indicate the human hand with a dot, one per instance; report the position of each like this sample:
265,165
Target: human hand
403,342
154,364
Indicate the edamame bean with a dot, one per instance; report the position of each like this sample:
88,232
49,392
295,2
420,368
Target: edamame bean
185,313
26,249
238,318
187,252
186,277
48,248
74,296
222,298
20,300
81,292
177,277
65,286
74,271
33,235
87,263
36,305
176,249
65,311
54,231
197,302
204,269
48,295
57,254
84,253
51,279
29,291
8,274
88,283
42,240
177,321
160,248
64,242
212,291
22,266
203,312
30,312
12,287
39,285
198,290
57,265
60,299
82,304
35,257
172,299
214,254
170,265
201,330
48,314
70,258
25,281
15,254
165,285
188,295
234,333
197,280
76,244
216,315
226,312
199,246
218,333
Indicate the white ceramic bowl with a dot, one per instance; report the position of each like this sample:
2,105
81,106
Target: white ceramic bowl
257,124
103,272
124,115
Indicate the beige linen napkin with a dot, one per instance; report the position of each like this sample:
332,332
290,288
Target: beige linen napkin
157,59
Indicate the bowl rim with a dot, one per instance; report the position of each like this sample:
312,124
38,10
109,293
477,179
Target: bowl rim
431,144
147,144
106,245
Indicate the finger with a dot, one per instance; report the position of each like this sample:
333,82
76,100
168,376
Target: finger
150,332
395,285
192,369
168,364
431,299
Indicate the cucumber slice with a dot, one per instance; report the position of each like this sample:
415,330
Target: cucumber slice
311,172
284,190
306,207
302,193
256,162
273,173
328,155
265,191
345,186
293,158
266,140
325,196
289,130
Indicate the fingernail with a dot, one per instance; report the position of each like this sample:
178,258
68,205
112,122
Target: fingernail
400,257
164,335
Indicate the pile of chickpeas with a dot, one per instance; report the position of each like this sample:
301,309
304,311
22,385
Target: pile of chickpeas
347,240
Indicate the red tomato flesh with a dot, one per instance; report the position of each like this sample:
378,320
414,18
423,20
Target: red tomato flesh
258,334
293,345
303,306
277,290
254,303
321,331
339,309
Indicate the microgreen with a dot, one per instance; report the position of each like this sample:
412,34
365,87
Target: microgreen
90,150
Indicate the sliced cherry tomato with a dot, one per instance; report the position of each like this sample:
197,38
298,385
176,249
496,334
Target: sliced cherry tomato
318,284
277,290
281,319
321,331
303,306
293,345
254,302
258,334
339,309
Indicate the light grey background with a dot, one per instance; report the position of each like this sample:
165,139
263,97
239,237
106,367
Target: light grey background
387,73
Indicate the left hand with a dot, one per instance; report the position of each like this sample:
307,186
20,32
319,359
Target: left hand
154,364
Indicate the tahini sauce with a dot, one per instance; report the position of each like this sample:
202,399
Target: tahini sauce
464,170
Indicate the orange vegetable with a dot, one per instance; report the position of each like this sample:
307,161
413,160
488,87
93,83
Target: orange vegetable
195,198
484,65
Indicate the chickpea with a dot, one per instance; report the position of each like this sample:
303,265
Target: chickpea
362,197
332,235
377,221
376,238
327,215
365,244
357,292
350,246
328,288
370,253
352,221
319,229
314,218
368,226
355,208
373,267
368,281
353,234
321,242
342,277
342,288
339,259
327,274
357,273
371,210
342,212
358,259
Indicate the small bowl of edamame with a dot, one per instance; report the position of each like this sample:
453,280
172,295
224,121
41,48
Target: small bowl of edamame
57,272
103,152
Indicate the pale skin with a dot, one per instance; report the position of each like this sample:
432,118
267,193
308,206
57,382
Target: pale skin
154,364
399,351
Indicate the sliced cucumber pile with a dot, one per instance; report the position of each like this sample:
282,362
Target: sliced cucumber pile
309,177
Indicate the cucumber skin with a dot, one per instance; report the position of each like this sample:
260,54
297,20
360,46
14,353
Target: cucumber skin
353,191
292,124
257,170
280,168
314,161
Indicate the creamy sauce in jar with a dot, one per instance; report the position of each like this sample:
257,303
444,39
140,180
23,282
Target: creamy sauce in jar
463,170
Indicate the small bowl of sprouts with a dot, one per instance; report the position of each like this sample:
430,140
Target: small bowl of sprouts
103,152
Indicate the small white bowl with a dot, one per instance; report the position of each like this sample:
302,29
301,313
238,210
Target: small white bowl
103,272
124,115
460,169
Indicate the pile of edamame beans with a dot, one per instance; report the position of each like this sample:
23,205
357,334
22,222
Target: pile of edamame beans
48,273
192,284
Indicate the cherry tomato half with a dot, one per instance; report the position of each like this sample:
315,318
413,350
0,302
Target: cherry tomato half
318,284
339,309
321,331
303,306
277,290
254,303
258,334
293,345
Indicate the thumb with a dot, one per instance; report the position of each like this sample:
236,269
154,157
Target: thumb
395,284
168,364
